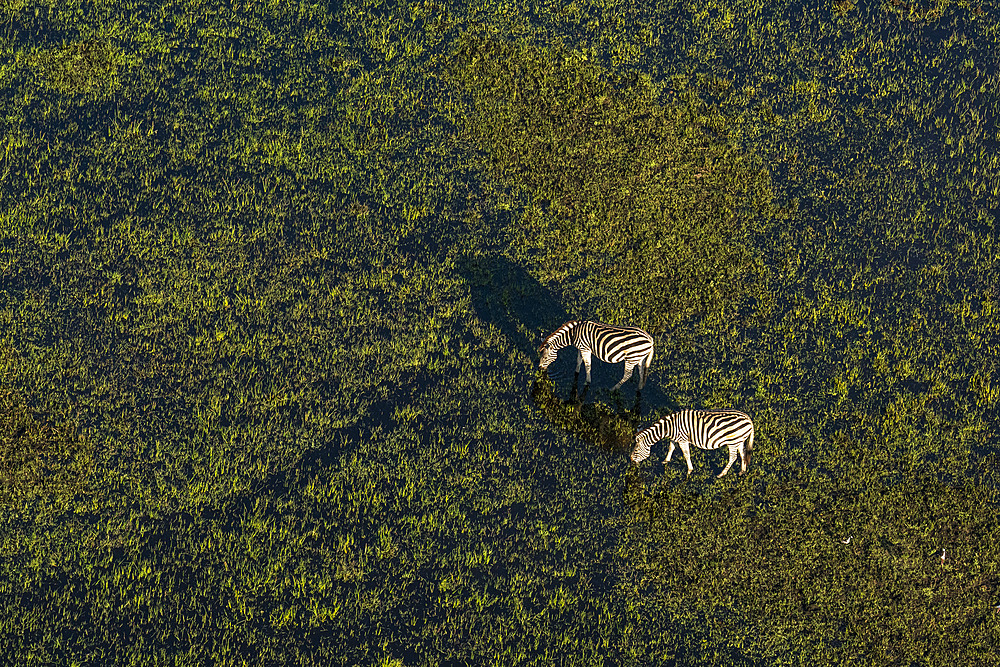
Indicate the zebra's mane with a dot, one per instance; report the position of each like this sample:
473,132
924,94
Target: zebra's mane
650,427
564,327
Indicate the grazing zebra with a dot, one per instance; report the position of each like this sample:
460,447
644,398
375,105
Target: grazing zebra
607,342
707,429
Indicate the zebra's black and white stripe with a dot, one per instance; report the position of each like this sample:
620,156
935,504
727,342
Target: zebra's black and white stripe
607,342
707,429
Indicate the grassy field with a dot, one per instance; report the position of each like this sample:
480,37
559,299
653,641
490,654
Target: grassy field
273,276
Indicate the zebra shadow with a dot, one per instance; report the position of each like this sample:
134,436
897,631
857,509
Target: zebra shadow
511,299
505,295
612,432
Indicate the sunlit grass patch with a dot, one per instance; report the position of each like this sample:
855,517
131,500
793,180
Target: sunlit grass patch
629,189
40,457
79,68
845,567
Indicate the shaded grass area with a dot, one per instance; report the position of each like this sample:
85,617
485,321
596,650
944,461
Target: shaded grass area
273,280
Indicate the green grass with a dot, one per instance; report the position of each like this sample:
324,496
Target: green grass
273,278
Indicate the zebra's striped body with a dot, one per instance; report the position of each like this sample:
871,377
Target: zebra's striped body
707,429
608,343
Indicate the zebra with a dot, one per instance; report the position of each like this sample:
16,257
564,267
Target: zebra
707,429
608,342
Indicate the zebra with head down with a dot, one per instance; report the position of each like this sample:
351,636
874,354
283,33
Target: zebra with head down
609,343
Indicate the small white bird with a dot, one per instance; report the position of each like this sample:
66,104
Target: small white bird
942,555
848,540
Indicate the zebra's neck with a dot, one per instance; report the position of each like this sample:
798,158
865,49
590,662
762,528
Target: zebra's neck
669,426
567,334
661,429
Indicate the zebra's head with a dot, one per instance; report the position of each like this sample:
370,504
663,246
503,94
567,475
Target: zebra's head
548,355
554,342
643,441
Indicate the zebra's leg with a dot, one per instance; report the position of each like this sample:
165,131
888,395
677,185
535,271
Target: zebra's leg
644,371
743,459
686,449
629,370
671,451
585,357
732,459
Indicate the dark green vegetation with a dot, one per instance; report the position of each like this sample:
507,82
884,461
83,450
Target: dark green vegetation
272,279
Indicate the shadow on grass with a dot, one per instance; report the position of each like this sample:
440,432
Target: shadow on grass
508,297
591,422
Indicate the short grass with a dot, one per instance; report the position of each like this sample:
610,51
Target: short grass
272,280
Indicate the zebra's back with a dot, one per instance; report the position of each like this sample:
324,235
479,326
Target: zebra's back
619,343
711,429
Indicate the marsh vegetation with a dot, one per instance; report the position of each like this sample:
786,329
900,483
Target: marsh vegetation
272,280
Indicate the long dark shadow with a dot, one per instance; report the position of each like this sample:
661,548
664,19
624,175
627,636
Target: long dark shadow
507,296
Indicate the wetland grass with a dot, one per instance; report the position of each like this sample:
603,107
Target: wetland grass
272,280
